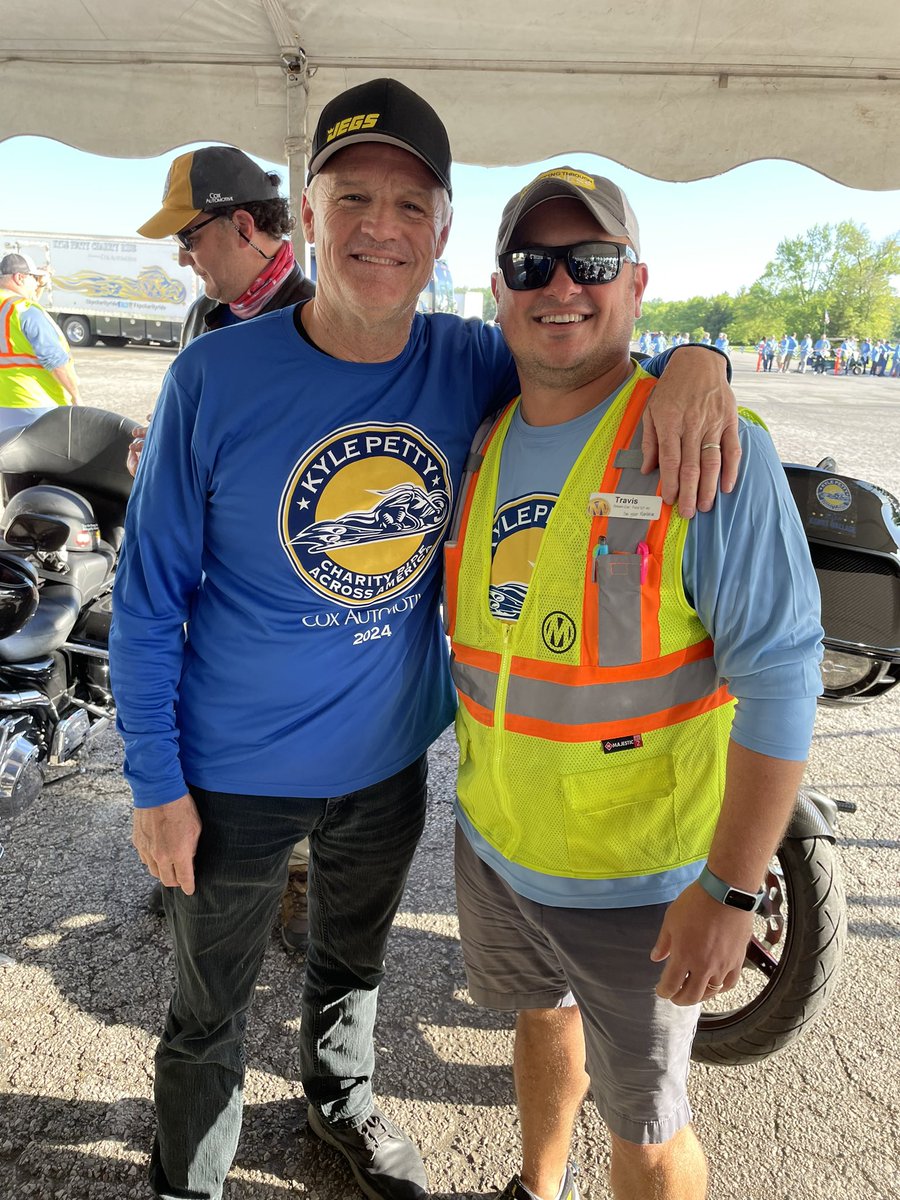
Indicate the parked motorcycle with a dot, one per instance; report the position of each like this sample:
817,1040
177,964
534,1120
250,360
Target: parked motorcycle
794,956
65,491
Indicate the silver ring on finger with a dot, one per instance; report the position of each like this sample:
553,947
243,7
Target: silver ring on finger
711,446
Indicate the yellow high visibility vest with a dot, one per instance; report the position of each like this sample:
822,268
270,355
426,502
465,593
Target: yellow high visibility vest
593,731
24,383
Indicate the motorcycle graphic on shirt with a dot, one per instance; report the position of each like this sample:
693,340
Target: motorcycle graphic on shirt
364,512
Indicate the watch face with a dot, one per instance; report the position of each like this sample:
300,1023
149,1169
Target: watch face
742,900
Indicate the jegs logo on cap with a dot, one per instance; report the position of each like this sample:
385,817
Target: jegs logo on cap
351,124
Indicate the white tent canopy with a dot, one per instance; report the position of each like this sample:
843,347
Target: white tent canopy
678,91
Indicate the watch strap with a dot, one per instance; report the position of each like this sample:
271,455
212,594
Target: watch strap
730,896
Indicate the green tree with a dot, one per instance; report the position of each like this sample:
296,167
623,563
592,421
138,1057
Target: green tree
838,269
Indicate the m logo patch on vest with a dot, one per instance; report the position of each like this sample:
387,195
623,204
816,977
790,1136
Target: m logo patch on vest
558,632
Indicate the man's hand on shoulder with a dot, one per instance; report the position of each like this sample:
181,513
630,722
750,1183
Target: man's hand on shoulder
166,841
690,429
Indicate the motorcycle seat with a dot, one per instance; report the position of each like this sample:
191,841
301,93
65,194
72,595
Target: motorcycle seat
88,571
57,612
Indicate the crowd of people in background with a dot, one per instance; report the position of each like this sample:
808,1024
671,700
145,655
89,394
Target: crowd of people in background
850,356
656,343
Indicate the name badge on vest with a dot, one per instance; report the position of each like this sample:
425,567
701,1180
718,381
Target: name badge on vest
614,504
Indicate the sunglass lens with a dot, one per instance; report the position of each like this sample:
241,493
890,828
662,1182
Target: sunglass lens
594,266
526,270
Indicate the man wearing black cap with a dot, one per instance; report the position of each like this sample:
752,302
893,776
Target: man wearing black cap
616,816
301,549
36,368
232,226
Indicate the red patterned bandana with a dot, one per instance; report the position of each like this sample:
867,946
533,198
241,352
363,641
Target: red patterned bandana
265,285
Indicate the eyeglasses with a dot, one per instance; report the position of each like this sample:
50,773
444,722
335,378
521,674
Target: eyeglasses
267,257
588,263
185,238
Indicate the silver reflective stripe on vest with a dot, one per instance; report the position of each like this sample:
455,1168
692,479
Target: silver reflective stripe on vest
4,316
9,359
629,460
476,683
560,704
19,360
474,459
618,574
623,533
618,578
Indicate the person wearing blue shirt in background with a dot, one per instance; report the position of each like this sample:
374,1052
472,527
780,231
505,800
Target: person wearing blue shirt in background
590,904
722,343
803,353
789,346
278,662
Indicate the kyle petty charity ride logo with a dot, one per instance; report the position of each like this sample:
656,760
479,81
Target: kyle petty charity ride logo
363,513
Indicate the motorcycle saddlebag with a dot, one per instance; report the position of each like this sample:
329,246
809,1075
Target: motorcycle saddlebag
853,530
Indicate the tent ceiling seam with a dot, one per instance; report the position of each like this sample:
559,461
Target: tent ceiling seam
715,71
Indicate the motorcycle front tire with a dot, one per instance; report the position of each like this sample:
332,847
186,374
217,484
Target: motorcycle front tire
805,877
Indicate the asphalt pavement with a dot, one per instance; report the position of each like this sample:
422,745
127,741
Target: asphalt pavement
81,1007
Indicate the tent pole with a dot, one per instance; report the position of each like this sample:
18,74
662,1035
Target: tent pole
296,144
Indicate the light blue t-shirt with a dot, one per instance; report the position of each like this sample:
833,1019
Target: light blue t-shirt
748,573
46,339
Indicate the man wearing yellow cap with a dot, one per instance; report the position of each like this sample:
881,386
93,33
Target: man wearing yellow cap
231,225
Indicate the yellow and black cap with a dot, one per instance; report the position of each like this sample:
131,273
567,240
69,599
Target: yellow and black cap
382,110
604,200
205,179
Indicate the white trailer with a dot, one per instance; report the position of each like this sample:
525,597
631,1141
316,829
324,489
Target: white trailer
120,289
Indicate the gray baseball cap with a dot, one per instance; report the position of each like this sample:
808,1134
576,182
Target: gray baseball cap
20,264
603,199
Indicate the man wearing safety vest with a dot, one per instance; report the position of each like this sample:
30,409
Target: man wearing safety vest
36,368
616,813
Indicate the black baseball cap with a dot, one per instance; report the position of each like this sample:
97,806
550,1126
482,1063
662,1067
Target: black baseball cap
212,177
383,110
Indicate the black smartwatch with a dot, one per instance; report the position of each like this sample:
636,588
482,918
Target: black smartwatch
732,896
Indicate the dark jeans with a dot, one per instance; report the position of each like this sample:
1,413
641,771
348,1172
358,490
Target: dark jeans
361,846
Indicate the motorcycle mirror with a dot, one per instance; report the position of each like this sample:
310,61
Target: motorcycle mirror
32,532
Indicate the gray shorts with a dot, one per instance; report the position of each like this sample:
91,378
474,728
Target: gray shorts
523,955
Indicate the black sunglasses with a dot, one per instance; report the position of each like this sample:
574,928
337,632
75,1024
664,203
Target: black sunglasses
185,237
591,263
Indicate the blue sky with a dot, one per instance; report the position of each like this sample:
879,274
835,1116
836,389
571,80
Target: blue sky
714,235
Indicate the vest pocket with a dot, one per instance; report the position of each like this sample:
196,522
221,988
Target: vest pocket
621,821
618,579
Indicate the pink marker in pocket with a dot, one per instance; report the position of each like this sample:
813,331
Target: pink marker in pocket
644,551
